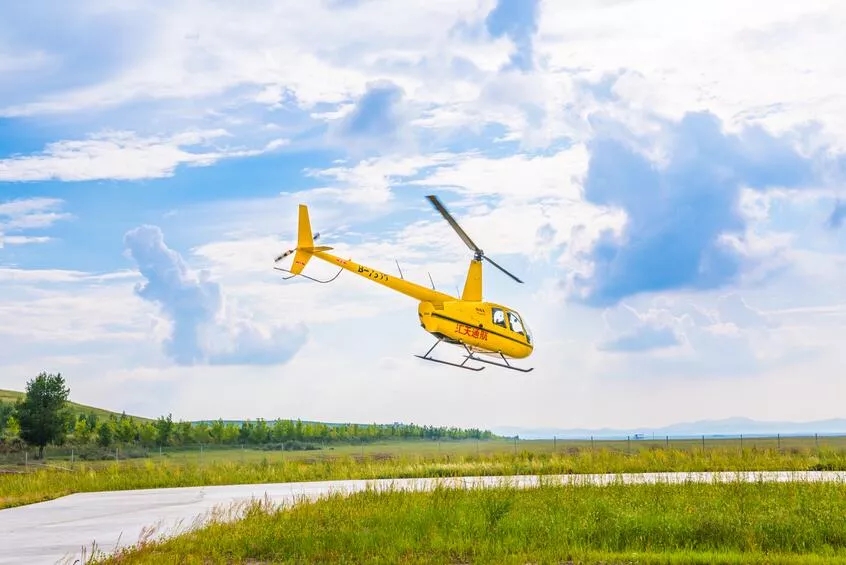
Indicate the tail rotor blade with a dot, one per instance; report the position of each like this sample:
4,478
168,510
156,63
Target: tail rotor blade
283,255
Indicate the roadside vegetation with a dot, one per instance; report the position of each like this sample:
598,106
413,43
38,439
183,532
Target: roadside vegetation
634,524
47,483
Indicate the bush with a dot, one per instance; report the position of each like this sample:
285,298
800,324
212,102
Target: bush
14,445
292,445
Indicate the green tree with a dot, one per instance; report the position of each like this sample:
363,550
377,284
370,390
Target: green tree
164,429
7,409
126,431
147,434
105,433
43,413
81,431
13,427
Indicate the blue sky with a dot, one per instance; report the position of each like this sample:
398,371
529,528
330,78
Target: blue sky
675,205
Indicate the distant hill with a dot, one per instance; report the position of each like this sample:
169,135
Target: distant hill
708,428
13,396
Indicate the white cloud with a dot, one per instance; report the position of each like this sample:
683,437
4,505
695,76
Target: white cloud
203,49
64,307
121,155
21,239
757,61
370,181
23,215
28,213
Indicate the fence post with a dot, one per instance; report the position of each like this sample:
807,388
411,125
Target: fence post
629,444
553,442
703,443
71,456
667,441
741,444
778,439
591,444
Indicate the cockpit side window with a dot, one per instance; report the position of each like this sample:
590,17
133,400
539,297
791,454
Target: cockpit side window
516,325
498,317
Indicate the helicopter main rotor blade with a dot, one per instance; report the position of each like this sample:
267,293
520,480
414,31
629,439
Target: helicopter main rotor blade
501,268
448,217
464,237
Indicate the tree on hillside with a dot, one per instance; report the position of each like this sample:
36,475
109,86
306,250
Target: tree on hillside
6,409
42,413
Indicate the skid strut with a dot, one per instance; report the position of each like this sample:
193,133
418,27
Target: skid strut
505,364
462,365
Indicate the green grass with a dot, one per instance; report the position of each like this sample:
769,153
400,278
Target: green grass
683,524
13,396
48,483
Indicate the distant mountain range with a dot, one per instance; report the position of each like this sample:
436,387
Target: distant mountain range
708,428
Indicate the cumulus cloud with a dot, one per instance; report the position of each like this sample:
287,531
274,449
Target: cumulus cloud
204,328
681,208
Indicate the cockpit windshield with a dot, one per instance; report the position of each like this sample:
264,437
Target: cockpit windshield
514,321
518,326
528,332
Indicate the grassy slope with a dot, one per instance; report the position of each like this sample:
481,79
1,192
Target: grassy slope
13,395
688,523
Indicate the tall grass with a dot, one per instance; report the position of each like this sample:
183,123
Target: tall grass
17,489
660,523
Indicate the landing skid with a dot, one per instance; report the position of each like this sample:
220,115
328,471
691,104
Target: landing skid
505,364
426,357
470,355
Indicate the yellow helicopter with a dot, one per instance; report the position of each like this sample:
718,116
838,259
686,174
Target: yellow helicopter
480,327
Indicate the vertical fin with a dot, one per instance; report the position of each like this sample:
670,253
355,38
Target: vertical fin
473,284
304,237
305,241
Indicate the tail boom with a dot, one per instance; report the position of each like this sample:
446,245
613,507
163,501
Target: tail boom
400,285
306,249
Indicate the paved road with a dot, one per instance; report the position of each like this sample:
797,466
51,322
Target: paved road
64,530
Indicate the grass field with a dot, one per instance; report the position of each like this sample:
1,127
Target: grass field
683,524
407,460
204,454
